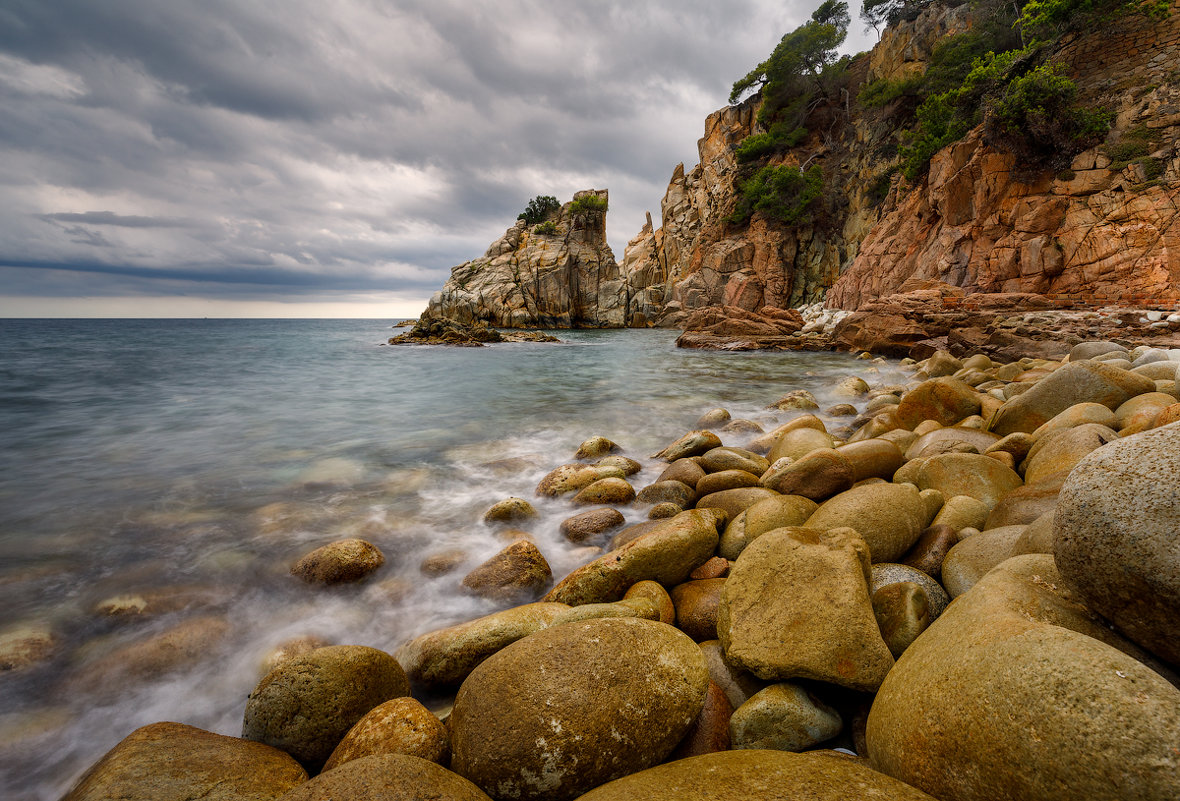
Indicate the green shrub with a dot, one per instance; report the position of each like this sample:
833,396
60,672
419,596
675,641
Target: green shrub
538,209
547,228
1152,168
780,137
588,203
879,188
1035,117
782,193
1042,20
940,122
884,91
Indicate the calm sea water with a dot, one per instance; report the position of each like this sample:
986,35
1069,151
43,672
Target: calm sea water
191,462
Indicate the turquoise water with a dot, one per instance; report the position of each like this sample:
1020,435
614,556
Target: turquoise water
198,459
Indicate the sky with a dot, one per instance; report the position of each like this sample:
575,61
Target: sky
334,158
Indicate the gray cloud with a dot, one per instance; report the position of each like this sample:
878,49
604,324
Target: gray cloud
364,145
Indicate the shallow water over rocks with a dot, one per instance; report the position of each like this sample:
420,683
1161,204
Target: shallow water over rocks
159,478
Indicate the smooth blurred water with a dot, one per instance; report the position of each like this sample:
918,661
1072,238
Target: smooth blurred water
200,458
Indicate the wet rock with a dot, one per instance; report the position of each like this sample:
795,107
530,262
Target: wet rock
510,510
307,705
694,443
764,443
942,364
1076,415
962,511
696,607
539,720
180,646
717,567
666,554
289,649
709,733
735,501
1138,413
819,475
1017,692
1038,536
795,400
1115,537
387,777
796,605
517,572
1076,382
339,562
175,762
637,606
798,443
741,426
629,466
606,491
587,525
971,474
764,516
1024,504
671,491
974,556
931,549
783,717
1058,452
720,459
439,564
714,418
761,774
951,440
944,400
635,531
444,657
885,574
724,480
892,517
686,471
24,646
664,510
574,477
903,612
872,458
737,684
851,387
1088,350
595,448
399,726
841,410
654,592
158,601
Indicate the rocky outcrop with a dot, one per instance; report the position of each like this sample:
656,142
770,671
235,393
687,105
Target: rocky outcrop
559,273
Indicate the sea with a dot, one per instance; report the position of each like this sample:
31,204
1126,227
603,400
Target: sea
158,478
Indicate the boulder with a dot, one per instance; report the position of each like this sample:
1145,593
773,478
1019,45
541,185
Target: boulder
654,592
944,400
666,554
595,448
737,684
710,731
569,708
339,562
819,475
714,418
399,726
628,465
509,510
720,459
953,439
22,647
735,501
798,443
972,474
445,656
725,480
1116,537
903,612
1017,692
974,556
694,443
872,458
686,471
783,717
587,525
606,491
1076,382
1038,536
307,705
796,605
696,607
387,777
760,774
1024,504
891,517
640,606
1056,453
931,548
764,516
885,574
517,572
175,762
669,491
1076,415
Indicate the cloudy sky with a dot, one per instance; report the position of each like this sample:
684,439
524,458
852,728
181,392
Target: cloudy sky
305,158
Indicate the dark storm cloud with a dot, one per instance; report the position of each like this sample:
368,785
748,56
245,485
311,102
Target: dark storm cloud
359,144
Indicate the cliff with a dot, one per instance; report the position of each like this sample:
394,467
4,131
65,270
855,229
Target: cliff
559,273
1104,231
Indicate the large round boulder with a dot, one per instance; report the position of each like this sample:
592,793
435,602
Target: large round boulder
765,775
339,562
574,706
889,517
1076,382
944,400
307,705
175,762
764,516
518,572
1117,536
980,477
398,726
1017,691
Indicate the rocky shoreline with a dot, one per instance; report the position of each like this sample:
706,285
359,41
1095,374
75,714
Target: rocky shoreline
968,592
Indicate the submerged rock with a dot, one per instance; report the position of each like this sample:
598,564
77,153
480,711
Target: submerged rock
339,562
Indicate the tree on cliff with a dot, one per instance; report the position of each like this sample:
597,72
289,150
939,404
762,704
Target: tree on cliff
539,209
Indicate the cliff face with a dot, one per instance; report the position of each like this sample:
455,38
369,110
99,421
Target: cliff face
1100,233
531,279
